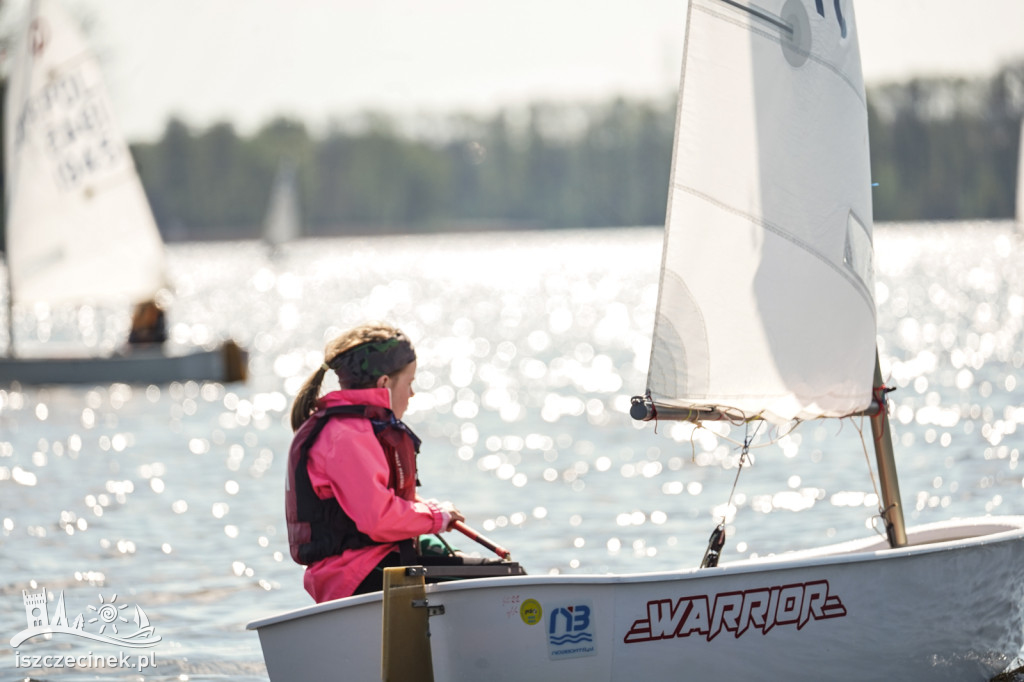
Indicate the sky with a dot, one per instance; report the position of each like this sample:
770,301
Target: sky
247,61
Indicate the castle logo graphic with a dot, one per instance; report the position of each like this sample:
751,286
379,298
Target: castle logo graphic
111,621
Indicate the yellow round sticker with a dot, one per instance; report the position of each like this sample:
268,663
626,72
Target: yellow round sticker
530,611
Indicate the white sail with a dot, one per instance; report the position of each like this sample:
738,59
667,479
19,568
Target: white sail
282,223
79,226
766,304
1020,179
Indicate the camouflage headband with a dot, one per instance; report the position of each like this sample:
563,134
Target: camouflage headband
362,365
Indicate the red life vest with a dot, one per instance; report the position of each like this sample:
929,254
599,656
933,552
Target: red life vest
319,528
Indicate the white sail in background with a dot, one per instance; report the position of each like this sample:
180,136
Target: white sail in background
1020,179
79,226
283,223
766,304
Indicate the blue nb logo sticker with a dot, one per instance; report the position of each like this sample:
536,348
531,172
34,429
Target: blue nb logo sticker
570,631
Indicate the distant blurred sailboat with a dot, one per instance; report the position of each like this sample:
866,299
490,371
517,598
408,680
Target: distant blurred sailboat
79,228
1020,180
283,222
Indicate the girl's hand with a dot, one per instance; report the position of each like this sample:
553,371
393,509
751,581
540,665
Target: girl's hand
451,514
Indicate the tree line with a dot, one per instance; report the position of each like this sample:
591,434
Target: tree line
543,166
947,149
941,149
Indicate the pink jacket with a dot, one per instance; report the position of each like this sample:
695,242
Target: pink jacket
347,463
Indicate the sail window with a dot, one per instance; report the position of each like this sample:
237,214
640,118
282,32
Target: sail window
857,255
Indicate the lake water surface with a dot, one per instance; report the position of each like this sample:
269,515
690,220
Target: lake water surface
530,346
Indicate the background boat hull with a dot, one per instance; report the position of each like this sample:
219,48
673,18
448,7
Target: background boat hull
224,363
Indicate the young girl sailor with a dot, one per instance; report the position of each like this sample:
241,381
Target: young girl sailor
351,502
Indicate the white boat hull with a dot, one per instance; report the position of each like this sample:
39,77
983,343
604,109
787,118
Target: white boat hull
142,366
948,607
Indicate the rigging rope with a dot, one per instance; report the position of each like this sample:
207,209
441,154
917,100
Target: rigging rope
871,473
717,540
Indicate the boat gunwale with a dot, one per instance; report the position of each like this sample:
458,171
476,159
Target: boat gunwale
985,530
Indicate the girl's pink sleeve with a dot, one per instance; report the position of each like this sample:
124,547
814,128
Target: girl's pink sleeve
357,473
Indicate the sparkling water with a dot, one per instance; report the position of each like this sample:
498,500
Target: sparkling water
530,345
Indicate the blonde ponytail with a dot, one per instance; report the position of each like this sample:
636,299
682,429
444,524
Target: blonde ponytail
305,401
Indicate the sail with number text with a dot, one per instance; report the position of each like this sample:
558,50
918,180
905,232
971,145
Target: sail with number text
79,227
